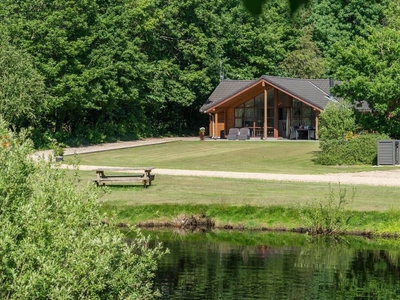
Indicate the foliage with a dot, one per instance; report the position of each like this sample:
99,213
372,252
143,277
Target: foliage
22,91
130,69
341,144
359,149
342,21
255,6
329,216
369,70
58,150
335,121
54,243
305,61
256,46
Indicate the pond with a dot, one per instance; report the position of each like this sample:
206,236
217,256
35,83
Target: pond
265,265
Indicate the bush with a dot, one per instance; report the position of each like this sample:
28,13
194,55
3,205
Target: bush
336,121
362,149
329,216
55,244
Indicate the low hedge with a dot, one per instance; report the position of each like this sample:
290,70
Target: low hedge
362,149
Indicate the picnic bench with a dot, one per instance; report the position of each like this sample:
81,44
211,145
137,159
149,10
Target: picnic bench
125,175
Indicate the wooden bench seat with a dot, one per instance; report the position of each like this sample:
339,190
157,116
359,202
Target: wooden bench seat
123,179
145,177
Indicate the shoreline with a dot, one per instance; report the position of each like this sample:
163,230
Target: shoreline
275,219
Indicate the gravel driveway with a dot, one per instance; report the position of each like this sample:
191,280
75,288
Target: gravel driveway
374,177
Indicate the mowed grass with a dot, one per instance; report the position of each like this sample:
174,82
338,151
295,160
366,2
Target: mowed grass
285,157
178,190
236,201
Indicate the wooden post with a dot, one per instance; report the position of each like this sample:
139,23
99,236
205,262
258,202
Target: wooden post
316,124
265,110
216,126
276,132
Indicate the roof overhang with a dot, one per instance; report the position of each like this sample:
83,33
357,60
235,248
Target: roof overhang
262,82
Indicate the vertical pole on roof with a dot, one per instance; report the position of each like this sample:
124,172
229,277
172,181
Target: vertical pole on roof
265,110
221,70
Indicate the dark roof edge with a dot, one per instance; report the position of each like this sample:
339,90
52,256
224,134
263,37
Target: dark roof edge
255,81
294,95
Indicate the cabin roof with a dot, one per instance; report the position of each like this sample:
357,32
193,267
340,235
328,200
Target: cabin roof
314,92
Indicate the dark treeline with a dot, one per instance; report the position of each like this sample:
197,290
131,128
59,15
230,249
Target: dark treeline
94,70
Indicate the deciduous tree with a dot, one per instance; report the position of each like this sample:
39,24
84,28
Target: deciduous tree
22,91
370,71
54,243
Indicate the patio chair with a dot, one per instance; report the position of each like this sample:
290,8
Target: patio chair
293,132
311,133
233,133
244,134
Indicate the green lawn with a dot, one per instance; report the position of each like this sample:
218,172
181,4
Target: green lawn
170,196
286,157
196,190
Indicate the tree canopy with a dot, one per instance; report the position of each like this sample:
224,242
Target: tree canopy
23,99
370,71
131,68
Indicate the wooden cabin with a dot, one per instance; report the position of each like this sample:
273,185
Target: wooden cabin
271,107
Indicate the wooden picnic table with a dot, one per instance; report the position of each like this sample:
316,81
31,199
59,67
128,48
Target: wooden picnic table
126,175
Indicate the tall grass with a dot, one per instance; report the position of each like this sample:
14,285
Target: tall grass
329,215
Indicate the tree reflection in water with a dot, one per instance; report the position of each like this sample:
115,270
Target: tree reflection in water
265,265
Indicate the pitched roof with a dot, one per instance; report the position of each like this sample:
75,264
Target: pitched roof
312,91
224,90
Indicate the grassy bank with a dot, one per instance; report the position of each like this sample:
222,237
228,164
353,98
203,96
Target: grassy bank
253,217
247,203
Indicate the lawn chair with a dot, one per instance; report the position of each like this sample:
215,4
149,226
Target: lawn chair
311,133
244,134
233,133
294,133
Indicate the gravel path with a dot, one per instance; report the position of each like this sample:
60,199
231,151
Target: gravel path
375,177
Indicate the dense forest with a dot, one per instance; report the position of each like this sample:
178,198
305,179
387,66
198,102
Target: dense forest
96,70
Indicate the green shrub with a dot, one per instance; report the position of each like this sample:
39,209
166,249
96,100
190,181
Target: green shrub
55,244
360,150
336,121
329,216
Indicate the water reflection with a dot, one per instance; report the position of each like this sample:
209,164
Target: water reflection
240,265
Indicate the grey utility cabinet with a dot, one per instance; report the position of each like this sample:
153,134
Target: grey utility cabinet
388,152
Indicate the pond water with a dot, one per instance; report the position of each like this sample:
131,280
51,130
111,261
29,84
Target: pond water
265,265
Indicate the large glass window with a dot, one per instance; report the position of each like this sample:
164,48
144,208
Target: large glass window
283,99
270,112
259,100
270,97
303,115
251,113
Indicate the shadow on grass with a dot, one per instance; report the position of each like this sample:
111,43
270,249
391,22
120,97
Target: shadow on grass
124,187
314,157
